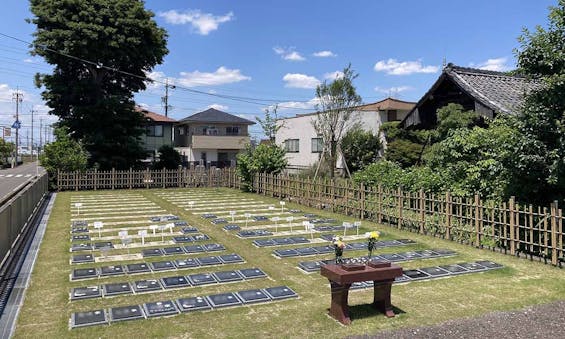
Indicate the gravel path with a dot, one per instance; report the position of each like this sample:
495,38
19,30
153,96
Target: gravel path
541,321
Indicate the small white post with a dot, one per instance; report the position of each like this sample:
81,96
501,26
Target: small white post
357,224
345,226
153,228
191,204
170,226
232,213
162,229
142,234
78,205
289,219
246,215
99,225
282,203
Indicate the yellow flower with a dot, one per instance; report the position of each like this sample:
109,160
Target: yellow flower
374,235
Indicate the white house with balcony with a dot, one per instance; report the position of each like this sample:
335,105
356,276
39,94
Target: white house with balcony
211,137
304,147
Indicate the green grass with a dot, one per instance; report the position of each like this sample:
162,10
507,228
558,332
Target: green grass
47,308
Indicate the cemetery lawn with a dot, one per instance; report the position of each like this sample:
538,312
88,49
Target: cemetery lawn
47,308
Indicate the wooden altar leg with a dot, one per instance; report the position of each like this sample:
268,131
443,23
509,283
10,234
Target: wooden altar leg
339,308
381,299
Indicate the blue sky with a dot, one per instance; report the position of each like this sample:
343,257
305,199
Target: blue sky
278,51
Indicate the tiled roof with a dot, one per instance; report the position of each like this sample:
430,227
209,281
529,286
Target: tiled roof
212,115
388,104
385,104
154,116
499,91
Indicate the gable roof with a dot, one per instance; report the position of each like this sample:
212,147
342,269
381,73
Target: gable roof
156,117
213,115
497,91
382,105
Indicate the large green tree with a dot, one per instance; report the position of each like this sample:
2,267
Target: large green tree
336,105
265,158
101,51
539,169
360,148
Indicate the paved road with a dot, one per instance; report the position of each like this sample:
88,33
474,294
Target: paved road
12,178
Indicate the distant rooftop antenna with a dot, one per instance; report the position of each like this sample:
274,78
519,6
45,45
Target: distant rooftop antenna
444,63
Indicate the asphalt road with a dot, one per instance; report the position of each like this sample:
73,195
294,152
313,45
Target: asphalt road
12,178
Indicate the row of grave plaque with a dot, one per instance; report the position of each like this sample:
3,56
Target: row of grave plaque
314,266
107,245
427,273
323,249
153,285
173,307
115,270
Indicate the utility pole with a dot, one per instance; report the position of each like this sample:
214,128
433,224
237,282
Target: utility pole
40,139
31,148
17,97
165,99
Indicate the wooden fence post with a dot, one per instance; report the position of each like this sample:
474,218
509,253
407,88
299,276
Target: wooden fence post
95,179
477,222
554,234
380,203
512,215
362,205
77,182
400,206
448,215
422,211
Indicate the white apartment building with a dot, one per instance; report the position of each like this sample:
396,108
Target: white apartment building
304,147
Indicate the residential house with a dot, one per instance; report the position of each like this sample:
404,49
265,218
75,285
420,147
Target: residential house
158,131
211,137
303,145
488,93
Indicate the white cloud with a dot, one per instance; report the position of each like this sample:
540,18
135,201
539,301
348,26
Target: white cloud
297,80
393,90
292,106
333,75
218,107
497,64
394,67
203,23
288,53
324,54
158,77
221,76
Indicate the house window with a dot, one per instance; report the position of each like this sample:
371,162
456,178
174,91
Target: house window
291,146
392,115
181,130
154,131
210,130
317,145
232,130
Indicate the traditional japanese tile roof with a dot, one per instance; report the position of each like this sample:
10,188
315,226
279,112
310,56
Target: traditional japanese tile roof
499,91
212,115
154,116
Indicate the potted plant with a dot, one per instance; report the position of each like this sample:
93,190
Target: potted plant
339,245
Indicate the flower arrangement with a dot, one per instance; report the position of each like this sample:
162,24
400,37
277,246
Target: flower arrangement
372,238
339,245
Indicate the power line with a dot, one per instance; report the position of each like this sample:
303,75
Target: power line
255,101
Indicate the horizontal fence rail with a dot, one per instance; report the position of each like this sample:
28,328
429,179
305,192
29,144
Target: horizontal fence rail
509,227
16,213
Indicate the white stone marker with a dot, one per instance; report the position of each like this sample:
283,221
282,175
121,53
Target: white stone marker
357,224
99,225
346,225
276,220
78,205
289,219
142,234
123,234
170,226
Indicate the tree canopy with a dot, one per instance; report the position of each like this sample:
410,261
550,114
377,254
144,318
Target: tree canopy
360,148
101,51
64,154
